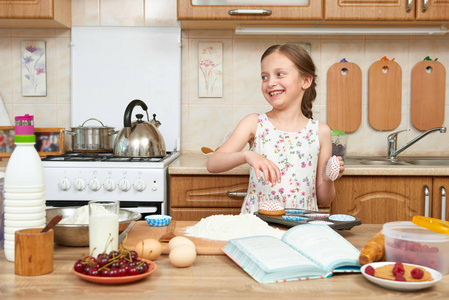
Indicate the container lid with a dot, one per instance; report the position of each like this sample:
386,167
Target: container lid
433,224
337,132
407,230
24,139
26,117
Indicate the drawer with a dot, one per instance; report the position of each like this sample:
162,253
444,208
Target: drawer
208,190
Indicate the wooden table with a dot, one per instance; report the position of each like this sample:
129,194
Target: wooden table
210,277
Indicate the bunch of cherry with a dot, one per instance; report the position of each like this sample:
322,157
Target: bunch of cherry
115,264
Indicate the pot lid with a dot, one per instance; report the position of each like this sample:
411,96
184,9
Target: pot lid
433,224
93,119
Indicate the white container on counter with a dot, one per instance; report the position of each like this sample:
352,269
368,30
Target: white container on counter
409,243
103,226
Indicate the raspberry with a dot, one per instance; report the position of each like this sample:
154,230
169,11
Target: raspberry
398,269
417,273
369,270
399,277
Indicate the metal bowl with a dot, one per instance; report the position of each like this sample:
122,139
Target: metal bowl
78,235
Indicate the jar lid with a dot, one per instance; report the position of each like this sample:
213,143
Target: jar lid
433,224
24,138
337,132
26,117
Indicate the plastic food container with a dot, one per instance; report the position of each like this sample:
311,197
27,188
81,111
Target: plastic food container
409,243
339,143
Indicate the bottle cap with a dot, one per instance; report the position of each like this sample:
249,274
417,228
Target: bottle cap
25,139
26,117
433,224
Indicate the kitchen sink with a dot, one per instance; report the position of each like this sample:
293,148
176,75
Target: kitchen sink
401,161
429,162
380,162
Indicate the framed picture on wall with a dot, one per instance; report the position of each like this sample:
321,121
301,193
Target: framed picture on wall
49,141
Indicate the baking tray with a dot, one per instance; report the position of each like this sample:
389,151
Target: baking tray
334,221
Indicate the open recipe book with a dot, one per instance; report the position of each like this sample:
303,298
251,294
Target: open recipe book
304,252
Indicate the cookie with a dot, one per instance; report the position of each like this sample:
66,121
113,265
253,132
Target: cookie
386,272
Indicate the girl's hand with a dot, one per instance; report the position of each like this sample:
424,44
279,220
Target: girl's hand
342,166
261,164
330,171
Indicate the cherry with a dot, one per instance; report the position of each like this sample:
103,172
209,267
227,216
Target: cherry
79,267
133,271
93,271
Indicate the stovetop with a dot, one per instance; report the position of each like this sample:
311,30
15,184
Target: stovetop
102,156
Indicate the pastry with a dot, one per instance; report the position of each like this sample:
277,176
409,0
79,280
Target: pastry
271,208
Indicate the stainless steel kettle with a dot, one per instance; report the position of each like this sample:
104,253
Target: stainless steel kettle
139,139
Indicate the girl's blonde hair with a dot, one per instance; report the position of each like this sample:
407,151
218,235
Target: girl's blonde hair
304,63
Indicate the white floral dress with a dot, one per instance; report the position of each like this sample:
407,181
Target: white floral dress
296,155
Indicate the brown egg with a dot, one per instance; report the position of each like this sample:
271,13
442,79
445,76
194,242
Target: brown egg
149,249
182,256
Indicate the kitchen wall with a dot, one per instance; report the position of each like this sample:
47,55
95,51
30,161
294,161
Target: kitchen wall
205,121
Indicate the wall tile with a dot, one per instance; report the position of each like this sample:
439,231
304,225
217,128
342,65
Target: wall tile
86,13
161,13
63,70
122,13
6,79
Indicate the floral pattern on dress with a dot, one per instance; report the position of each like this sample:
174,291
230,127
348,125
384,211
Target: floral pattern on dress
296,155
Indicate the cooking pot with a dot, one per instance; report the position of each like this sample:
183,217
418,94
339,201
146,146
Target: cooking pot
92,138
139,139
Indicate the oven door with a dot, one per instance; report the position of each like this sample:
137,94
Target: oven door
144,208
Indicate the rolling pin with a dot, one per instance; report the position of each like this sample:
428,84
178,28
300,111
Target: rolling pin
374,250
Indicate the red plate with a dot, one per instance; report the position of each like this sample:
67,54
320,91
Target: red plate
117,280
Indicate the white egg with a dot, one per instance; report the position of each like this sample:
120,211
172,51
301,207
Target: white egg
178,241
182,256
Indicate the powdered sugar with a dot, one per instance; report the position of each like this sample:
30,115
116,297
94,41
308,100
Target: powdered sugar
226,227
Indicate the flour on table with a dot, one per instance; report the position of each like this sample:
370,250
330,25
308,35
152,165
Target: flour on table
226,227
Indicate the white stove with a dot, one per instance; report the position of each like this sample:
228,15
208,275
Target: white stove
140,184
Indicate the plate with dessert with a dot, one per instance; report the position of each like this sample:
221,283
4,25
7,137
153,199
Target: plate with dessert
399,276
274,212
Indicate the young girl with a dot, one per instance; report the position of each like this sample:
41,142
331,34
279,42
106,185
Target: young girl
289,150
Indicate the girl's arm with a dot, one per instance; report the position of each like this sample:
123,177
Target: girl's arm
230,154
325,186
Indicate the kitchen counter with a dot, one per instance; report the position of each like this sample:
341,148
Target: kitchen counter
195,164
210,277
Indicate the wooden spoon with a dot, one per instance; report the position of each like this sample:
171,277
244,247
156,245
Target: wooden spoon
168,235
52,223
206,150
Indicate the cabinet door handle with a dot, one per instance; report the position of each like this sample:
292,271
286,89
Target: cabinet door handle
426,200
409,6
236,195
443,203
425,6
265,12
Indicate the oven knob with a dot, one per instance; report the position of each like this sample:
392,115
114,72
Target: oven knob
64,184
109,185
79,184
94,184
139,185
124,185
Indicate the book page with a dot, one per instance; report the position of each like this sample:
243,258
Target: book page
322,245
272,254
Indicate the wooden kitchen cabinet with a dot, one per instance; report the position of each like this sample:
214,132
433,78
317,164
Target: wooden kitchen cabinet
439,205
193,197
391,10
35,14
200,16
381,199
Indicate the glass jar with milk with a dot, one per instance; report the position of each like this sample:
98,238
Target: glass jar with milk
103,226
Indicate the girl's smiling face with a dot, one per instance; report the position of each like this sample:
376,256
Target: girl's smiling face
282,84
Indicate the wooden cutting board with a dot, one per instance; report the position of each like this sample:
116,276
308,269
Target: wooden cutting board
384,95
344,96
428,95
142,230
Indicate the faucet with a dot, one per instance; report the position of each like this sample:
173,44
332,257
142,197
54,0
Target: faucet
392,141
